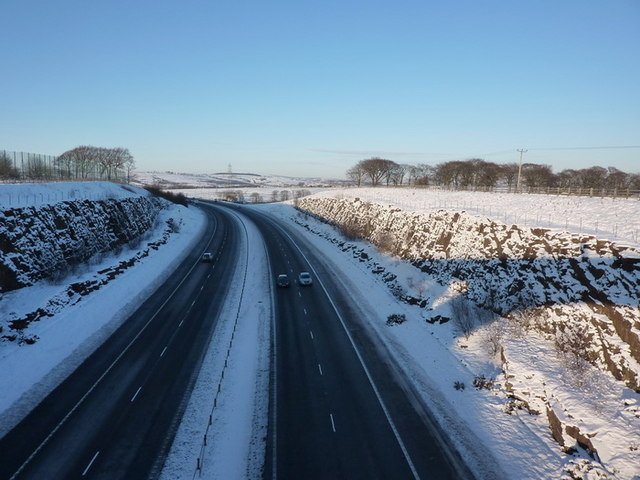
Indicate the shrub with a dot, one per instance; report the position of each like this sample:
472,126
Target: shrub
351,230
480,381
462,315
174,227
396,319
458,385
178,198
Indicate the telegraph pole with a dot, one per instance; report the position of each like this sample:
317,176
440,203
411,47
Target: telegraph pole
522,151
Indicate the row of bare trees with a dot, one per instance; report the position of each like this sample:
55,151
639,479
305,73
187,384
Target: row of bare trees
110,163
478,173
83,162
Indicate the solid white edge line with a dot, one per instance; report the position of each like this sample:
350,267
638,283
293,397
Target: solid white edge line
91,463
366,370
109,368
163,350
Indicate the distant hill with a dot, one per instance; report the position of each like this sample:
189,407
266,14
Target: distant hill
227,180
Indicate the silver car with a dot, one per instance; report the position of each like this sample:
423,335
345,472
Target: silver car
305,278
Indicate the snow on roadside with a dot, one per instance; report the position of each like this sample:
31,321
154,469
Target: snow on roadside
229,403
35,194
435,357
29,372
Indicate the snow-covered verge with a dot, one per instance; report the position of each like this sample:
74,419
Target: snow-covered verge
523,383
63,320
222,433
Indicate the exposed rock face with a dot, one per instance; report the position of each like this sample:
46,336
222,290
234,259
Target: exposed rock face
509,269
37,242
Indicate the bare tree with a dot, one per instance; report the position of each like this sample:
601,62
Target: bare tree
397,173
7,169
617,178
463,315
594,177
377,168
536,175
356,174
422,174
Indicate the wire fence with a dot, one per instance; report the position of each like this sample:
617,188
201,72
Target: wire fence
21,167
560,191
613,218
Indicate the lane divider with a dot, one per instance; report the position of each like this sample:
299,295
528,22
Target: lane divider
136,394
91,463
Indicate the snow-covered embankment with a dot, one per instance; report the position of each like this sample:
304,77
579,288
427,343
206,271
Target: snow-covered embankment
576,292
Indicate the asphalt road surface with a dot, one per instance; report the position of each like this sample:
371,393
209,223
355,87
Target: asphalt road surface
339,407
116,415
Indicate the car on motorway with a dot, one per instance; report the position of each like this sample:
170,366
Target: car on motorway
207,257
304,278
283,280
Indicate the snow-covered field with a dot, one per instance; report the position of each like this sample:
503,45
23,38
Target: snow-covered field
33,194
222,180
607,218
249,195
434,356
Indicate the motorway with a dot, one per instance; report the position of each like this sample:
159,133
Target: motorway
116,415
339,407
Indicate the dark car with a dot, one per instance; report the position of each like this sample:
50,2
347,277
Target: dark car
207,257
283,280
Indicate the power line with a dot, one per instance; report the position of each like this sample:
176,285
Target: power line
588,148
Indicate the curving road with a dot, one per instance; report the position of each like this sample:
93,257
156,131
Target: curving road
115,417
339,407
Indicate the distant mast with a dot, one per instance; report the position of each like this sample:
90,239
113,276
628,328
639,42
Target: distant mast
229,171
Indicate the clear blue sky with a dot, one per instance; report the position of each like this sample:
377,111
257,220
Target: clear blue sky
310,87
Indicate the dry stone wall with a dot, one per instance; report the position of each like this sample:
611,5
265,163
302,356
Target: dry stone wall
37,242
574,284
